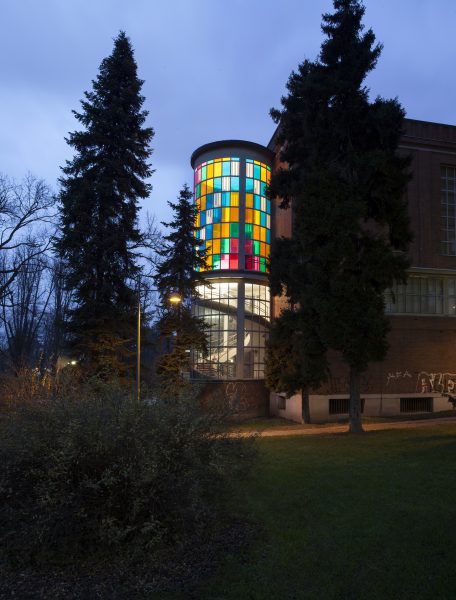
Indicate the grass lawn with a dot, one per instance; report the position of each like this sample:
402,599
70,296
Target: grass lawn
347,517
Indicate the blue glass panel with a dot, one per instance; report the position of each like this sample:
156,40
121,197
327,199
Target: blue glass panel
249,160
235,184
257,171
268,207
226,168
203,218
197,234
217,184
263,219
218,215
257,203
210,201
268,236
249,185
225,199
208,232
263,188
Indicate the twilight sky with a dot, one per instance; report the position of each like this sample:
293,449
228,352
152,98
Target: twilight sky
212,71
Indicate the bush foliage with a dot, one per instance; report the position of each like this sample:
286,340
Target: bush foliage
100,472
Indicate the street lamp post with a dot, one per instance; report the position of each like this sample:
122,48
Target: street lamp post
138,345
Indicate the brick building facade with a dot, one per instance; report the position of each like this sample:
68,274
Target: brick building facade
419,372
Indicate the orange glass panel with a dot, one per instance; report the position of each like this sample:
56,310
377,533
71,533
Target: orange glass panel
209,261
225,230
249,200
248,215
263,234
209,247
218,169
210,171
268,176
234,199
234,214
263,249
216,231
203,203
256,232
226,215
216,246
203,188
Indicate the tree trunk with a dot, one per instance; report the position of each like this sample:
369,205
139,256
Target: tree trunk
305,411
354,419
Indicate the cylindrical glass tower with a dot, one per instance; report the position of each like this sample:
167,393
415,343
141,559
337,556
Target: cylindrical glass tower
234,223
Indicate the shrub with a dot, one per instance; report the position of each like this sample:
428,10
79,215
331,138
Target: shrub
104,473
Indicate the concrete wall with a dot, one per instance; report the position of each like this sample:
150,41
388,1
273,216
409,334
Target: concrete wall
375,405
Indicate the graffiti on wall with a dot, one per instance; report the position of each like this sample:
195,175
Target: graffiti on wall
397,375
443,383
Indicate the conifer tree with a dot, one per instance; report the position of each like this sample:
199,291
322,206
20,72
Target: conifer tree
178,275
345,183
99,197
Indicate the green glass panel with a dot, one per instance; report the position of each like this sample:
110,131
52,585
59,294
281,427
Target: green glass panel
256,248
203,173
198,190
248,231
225,246
216,261
209,162
234,230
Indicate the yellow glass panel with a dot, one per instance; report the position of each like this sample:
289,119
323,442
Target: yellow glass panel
234,215
263,174
248,215
249,200
216,247
209,247
216,231
225,230
263,234
210,171
256,232
226,215
203,188
197,220
234,199
209,186
218,169
209,261
225,159
256,217
203,203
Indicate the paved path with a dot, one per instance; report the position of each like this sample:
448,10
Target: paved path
325,430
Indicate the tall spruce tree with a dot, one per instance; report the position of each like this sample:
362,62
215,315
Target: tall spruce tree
178,275
99,197
345,182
